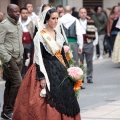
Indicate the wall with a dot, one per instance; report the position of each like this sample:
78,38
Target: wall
75,3
55,2
110,3
3,6
36,3
78,4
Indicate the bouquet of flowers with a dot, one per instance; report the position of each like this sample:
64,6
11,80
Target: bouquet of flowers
76,74
68,54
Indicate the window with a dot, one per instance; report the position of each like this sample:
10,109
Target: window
55,2
14,2
91,4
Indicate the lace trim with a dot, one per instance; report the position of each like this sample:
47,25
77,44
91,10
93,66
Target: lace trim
70,111
60,40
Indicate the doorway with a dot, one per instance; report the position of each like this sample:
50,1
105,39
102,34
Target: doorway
14,2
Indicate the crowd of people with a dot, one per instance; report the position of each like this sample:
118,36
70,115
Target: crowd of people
35,62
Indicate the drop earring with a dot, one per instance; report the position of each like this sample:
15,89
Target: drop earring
47,24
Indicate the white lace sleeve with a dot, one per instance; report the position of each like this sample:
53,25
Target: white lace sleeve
38,57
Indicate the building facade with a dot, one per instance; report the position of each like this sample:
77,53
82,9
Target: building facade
77,3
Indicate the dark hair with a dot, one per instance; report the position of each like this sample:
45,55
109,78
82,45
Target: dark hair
47,17
61,6
96,8
45,5
82,8
24,8
10,6
112,11
27,4
73,9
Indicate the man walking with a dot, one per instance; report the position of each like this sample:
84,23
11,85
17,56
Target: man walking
101,22
27,38
72,30
90,38
31,14
11,50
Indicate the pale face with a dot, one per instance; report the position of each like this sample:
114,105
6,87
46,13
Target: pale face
99,10
52,22
92,10
83,13
60,9
116,11
24,14
30,8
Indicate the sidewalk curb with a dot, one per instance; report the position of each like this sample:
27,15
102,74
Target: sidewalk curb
110,111
100,61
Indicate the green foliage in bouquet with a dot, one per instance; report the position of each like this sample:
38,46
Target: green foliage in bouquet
2,61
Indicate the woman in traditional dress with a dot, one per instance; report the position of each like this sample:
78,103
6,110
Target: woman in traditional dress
116,50
40,20
112,30
44,94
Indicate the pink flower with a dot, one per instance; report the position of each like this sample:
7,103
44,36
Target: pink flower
66,48
75,72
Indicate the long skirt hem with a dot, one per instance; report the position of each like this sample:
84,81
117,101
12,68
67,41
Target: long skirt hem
30,106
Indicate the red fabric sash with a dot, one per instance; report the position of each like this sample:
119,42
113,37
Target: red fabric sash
26,38
84,38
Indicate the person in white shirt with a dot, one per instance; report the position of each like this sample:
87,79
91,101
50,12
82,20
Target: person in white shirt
73,33
27,39
31,14
90,36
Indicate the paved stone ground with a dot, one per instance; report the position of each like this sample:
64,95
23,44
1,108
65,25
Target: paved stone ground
100,100
110,111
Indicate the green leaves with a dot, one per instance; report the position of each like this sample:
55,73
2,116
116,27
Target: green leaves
2,61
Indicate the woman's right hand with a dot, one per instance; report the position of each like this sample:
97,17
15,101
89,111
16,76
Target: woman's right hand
43,83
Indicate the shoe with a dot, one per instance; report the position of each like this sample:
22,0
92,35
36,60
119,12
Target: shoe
82,87
7,116
109,55
101,57
94,57
89,81
3,116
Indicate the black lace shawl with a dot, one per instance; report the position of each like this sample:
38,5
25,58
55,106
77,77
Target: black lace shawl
61,94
